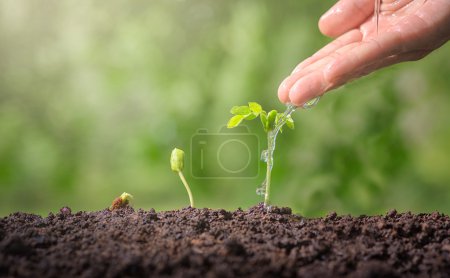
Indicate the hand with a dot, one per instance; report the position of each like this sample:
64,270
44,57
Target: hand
408,30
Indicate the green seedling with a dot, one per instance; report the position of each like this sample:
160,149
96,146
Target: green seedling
121,201
177,165
269,120
272,122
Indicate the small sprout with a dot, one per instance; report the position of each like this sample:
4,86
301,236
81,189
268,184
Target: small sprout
269,120
177,165
177,160
272,122
121,202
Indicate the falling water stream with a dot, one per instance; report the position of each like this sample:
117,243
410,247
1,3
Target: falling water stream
267,155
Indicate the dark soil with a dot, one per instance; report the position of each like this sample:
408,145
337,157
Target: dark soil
217,243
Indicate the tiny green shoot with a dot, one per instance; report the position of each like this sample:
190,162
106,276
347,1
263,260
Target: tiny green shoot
177,165
272,122
121,201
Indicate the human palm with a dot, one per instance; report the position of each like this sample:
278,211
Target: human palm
405,30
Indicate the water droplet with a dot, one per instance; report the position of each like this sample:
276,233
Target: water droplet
290,108
260,191
264,155
311,103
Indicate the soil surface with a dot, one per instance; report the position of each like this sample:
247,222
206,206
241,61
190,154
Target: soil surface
217,243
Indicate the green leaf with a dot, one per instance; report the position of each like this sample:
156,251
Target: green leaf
235,121
278,118
255,108
250,116
240,110
264,121
290,122
271,119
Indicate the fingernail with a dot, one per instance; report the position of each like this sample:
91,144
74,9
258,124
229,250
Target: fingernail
328,13
305,89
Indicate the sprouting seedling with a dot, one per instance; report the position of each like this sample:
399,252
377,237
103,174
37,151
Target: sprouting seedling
272,122
121,201
177,165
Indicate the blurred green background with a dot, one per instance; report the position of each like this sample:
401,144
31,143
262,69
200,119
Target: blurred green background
94,96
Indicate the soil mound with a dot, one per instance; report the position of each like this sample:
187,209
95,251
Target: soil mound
217,243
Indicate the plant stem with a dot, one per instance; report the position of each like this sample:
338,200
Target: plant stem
268,178
271,141
191,199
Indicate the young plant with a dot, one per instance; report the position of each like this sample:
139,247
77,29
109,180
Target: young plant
272,122
177,165
121,201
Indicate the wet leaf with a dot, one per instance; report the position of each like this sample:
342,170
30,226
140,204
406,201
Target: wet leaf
235,121
271,119
255,108
290,122
240,110
264,121
250,116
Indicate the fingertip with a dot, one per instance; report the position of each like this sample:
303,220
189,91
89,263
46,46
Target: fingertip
330,22
283,97
283,91
325,27
306,89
